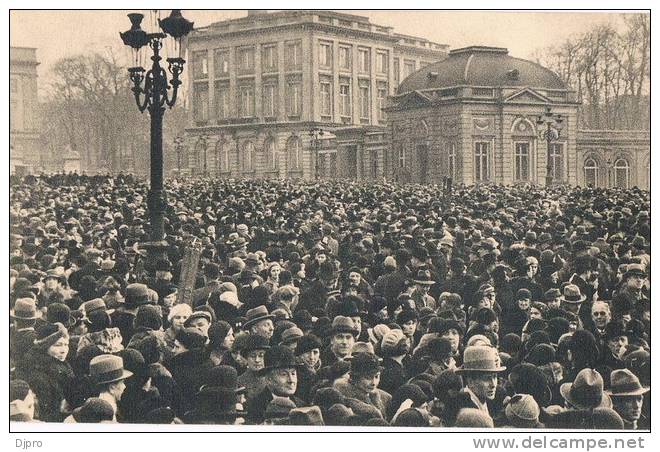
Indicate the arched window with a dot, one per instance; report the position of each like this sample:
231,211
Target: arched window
248,157
621,173
294,154
591,172
271,154
222,156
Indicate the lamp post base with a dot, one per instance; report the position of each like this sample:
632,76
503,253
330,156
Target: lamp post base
156,250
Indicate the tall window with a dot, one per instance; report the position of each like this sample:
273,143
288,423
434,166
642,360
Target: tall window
248,157
269,58
401,157
364,60
345,97
222,156
621,173
345,58
326,98
382,62
451,160
591,172
481,161
221,101
269,101
396,68
364,100
294,150
521,160
221,62
246,101
201,102
408,67
382,100
200,65
557,161
294,98
294,55
325,55
245,58
271,154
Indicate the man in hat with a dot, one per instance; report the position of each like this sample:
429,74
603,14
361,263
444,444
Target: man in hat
53,288
362,384
124,316
394,347
22,334
342,340
571,299
585,392
423,282
253,352
108,373
627,396
280,373
480,369
259,322
632,286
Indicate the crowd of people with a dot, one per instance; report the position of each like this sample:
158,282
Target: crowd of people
330,303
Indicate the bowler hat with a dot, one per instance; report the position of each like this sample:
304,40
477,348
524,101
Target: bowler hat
278,357
423,277
256,315
25,309
480,359
624,383
586,392
105,369
223,376
572,294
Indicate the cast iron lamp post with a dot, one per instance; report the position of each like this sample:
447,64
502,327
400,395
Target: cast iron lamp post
553,124
316,133
152,91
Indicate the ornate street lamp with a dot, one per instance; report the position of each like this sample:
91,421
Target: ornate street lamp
152,91
550,125
316,133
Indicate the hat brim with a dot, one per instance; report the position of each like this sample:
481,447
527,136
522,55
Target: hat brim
124,375
37,315
581,300
465,370
265,370
635,393
344,330
251,322
423,282
565,391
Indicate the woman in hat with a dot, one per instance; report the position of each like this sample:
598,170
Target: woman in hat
176,318
46,370
221,339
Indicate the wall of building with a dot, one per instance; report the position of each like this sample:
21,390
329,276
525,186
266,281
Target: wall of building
24,135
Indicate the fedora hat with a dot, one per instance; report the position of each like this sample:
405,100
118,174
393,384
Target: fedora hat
480,359
523,411
424,278
310,415
572,294
107,369
624,383
25,309
136,295
586,391
255,315
342,324
95,305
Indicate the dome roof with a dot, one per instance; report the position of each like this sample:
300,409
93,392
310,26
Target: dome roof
481,66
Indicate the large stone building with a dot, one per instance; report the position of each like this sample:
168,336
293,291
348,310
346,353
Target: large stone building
260,84
480,116
24,136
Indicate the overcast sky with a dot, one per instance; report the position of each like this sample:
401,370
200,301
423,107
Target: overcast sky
56,34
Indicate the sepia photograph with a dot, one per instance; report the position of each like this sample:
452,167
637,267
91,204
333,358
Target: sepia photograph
336,220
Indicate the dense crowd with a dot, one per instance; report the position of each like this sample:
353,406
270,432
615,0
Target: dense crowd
330,303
